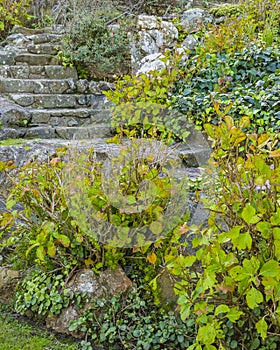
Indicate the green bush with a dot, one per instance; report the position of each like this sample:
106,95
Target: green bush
231,281
92,46
13,12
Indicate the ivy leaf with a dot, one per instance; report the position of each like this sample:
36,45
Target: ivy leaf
254,298
261,327
270,269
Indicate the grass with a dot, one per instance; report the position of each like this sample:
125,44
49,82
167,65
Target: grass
15,142
17,335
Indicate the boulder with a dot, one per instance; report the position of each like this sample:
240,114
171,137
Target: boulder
107,284
8,281
192,20
150,63
12,115
189,43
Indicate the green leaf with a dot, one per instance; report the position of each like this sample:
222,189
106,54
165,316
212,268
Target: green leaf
11,203
40,252
206,334
64,240
234,314
210,130
254,298
51,249
265,229
275,220
222,309
156,227
261,327
248,214
244,122
270,269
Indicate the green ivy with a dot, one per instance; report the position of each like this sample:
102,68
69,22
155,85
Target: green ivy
247,81
133,322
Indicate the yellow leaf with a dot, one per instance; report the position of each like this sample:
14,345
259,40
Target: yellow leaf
275,154
152,258
89,262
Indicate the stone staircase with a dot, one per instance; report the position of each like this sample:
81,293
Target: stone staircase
40,98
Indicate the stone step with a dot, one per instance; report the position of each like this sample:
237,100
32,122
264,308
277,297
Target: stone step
69,133
44,38
45,101
37,86
37,72
7,57
36,59
45,49
66,117
52,86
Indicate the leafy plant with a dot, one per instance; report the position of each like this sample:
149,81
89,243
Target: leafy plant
142,105
247,81
13,12
43,232
91,44
231,280
44,294
128,322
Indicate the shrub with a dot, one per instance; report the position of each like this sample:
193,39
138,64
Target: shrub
92,45
231,280
13,12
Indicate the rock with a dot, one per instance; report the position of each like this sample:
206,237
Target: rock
146,43
166,287
192,20
189,43
7,58
147,22
103,286
155,35
62,322
12,115
8,281
16,40
169,33
151,63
